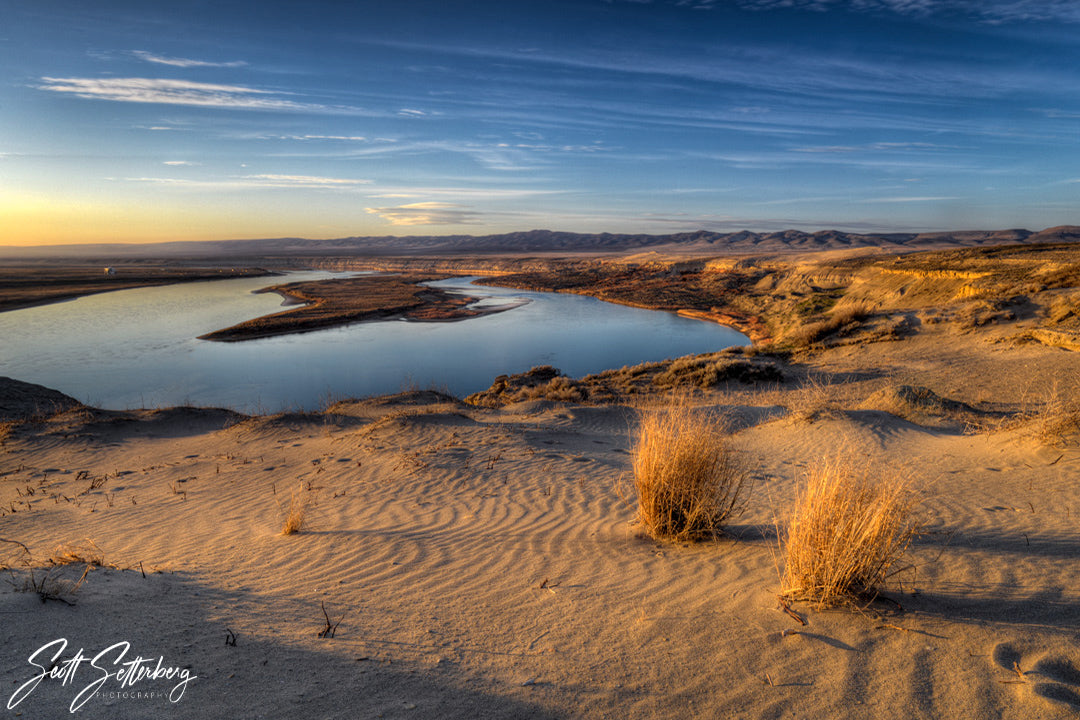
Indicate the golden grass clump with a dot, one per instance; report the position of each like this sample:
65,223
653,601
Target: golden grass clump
296,514
845,535
1057,421
844,319
687,477
87,553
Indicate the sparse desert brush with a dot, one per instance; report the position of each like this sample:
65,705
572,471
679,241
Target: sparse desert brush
846,533
58,582
853,311
843,320
1058,418
13,554
295,515
688,478
709,371
1063,308
86,553
818,396
980,312
561,389
49,586
6,429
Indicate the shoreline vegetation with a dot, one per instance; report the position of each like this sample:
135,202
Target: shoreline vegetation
321,304
807,303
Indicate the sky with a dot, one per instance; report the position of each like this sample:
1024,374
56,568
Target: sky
213,119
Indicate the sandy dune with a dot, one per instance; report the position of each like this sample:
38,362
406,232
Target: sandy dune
482,563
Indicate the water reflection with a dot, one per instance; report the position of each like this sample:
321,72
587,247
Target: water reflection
136,348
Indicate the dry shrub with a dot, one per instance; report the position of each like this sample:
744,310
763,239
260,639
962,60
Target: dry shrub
687,477
296,514
844,320
58,582
14,554
845,535
6,429
49,586
561,389
1058,419
707,371
851,312
86,553
1063,308
819,396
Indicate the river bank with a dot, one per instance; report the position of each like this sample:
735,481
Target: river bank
333,303
31,286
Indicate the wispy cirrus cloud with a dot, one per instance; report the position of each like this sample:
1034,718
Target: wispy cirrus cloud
245,182
427,213
476,193
179,163
904,199
499,156
344,138
180,92
1060,114
990,11
165,91
746,71
184,62
749,160
880,147
306,181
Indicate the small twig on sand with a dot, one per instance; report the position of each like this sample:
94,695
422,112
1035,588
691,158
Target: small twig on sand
792,613
16,542
893,627
550,588
536,639
331,627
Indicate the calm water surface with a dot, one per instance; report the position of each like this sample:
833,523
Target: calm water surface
138,348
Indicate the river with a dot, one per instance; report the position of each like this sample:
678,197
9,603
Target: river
138,348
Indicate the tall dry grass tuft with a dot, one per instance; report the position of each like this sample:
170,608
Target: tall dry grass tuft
845,535
295,515
87,553
1057,421
687,477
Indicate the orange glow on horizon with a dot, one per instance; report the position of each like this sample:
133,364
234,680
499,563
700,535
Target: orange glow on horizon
28,222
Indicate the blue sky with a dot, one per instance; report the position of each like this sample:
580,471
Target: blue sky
135,121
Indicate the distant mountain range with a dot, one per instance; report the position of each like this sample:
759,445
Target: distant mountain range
544,241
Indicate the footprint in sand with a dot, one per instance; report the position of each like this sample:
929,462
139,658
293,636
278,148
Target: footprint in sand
1054,678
